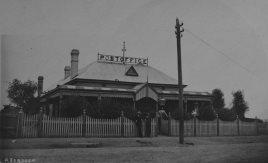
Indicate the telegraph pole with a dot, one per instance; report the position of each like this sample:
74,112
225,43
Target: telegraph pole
178,32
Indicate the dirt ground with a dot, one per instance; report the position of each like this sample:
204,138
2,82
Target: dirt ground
159,149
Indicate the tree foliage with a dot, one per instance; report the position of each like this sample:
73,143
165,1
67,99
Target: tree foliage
176,115
206,112
240,106
22,95
226,114
217,100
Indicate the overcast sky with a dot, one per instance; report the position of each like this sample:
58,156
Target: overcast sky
225,43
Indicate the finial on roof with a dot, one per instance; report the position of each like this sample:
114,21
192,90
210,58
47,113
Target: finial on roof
124,50
147,80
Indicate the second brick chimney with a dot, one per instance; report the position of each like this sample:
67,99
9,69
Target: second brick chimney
40,85
67,71
74,62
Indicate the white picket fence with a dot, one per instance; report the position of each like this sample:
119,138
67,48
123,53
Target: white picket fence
248,128
73,127
263,128
153,127
130,128
164,127
209,128
29,125
174,127
33,126
206,128
188,127
103,127
62,127
228,128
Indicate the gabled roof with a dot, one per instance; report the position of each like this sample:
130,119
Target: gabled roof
116,72
145,91
113,71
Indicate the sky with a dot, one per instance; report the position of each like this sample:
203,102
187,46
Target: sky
225,43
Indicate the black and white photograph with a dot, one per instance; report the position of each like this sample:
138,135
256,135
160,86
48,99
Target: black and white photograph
107,81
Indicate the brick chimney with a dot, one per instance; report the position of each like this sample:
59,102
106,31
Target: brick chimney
67,71
74,62
40,85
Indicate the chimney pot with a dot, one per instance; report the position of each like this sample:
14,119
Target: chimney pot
67,71
40,85
40,78
74,62
75,52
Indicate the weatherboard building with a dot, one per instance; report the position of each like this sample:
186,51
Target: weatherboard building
131,81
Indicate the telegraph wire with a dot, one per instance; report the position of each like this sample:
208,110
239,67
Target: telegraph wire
222,53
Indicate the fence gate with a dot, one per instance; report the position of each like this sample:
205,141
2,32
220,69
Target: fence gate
163,126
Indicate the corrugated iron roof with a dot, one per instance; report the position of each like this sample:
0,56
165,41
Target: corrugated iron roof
97,88
116,72
134,89
186,92
113,71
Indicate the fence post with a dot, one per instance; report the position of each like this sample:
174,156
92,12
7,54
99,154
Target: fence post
143,129
19,125
194,125
238,129
40,123
122,124
84,123
257,130
169,124
156,124
218,125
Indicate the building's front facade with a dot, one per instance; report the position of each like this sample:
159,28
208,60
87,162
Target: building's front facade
128,80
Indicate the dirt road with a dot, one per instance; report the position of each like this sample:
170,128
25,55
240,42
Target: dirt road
161,149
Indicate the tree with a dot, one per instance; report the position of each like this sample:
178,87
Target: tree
240,106
22,95
217,100
206,112
226,114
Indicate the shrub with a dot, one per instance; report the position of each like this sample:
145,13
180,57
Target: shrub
226,114
176,115
206,113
